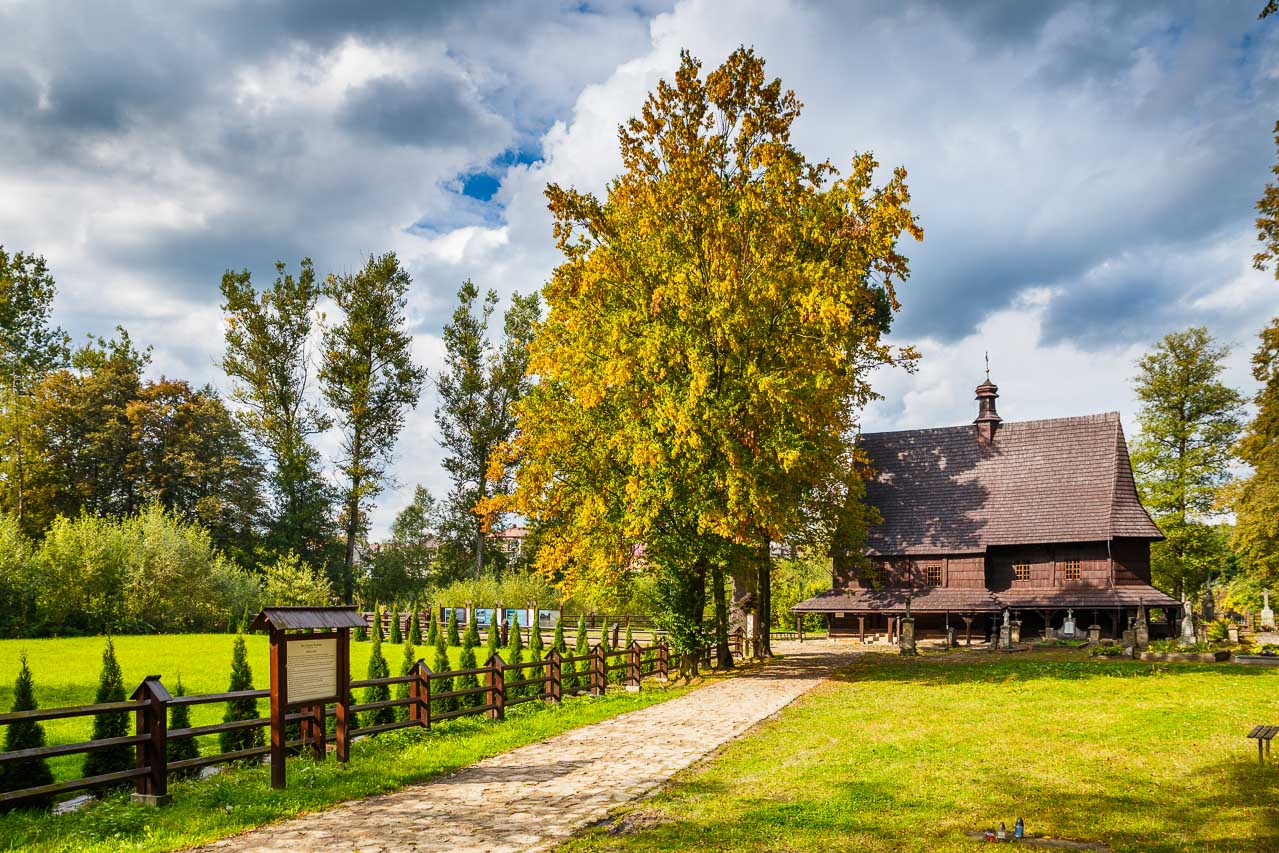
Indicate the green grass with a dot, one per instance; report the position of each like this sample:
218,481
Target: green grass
909,755
241,797
66,673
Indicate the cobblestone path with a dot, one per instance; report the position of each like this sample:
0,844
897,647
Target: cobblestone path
534,797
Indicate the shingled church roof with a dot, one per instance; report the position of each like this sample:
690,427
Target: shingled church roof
1036,482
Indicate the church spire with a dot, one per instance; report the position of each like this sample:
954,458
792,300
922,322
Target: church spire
988,419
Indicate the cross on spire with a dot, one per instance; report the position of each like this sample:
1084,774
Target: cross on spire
987,366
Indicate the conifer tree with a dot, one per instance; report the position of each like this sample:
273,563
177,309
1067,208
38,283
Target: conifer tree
557,641
535,640
453,639
415,626
514,655
25,734
470,641
397,636
183,748
491,648
111,723
441,664
240,709
567,668
609,677
402,689
361,634
581,647
247,621
433,630
378,668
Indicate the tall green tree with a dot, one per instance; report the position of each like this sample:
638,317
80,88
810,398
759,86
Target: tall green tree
30,347
1255,498
25,734
404,566
269,359
1189,421
479,387
82,437
710,338
369,379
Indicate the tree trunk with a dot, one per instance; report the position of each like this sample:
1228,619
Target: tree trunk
479,536
764,605
723,654
352,525
744,576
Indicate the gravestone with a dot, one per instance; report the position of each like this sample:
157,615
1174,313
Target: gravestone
1094,635
1015,633
1141,630
1068,626
906,637
1188,627
1267,615
1005,639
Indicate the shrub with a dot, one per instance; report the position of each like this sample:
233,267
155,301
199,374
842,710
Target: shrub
433,630
453,639
415,626
377,692
243,708
491,648
514,654
186,748
581,647
1218,630
441,664
557,640
19,583
289,582
1269,649
397,636
25,734
535,640
83,565
1106,650
470,640
362,634
402,689
109,724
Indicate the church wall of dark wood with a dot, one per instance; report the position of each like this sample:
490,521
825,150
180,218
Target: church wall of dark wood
1132,561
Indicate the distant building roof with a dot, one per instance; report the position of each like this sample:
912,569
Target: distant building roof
1036,482
515,532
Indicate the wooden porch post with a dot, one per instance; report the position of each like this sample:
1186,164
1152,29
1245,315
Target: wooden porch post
968,630
861,628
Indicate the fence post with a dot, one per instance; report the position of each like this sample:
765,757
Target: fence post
599,674
420,692
633,667
663,660
497,687
554,670
152,719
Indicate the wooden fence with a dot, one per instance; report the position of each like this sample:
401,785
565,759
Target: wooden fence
502,686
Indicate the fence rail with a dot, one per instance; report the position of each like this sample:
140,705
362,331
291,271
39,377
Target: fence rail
430,696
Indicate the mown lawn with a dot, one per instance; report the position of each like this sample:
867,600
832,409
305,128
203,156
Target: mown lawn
241,797
910,755
66,673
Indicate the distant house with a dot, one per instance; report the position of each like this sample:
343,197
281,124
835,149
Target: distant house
510,540
1038,517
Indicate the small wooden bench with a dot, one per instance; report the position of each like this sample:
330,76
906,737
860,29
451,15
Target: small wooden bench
1263,735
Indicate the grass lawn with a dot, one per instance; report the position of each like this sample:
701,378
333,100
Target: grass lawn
241,797
909,755
66,673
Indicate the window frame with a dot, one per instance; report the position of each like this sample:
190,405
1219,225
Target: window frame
929,570
1021,571
1072,570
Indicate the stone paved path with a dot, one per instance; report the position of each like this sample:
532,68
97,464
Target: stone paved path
534,797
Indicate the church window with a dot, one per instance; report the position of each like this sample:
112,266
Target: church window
1070,570
1021,571
932,575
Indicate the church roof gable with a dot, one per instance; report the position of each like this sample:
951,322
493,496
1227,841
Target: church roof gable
1038,482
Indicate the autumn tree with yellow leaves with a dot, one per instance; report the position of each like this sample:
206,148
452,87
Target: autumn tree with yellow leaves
708,346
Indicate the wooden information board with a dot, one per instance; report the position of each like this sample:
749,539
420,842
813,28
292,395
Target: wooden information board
312,673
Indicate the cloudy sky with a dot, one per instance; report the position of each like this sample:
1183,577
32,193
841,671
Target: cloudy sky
1085,173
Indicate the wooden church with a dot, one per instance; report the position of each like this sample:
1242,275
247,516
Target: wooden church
1040,518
